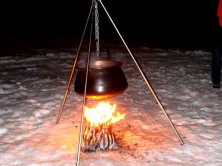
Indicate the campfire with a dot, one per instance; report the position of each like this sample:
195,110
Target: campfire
98,127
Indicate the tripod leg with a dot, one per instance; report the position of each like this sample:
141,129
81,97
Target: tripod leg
84,96
143,75
73,70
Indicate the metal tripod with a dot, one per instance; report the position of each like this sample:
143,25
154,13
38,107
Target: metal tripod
95,5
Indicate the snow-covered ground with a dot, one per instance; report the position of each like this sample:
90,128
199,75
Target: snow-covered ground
33,86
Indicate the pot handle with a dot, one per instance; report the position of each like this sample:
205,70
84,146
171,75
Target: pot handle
106,47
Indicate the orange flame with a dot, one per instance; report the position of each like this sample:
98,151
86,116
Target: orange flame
102,113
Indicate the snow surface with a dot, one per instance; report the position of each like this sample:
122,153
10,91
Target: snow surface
33,86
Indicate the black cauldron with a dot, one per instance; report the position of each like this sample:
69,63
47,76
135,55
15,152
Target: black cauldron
105,79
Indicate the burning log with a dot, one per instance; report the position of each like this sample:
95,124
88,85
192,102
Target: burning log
98,127
98,138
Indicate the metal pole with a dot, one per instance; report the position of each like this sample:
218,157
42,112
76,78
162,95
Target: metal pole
72,72
84,99
143,75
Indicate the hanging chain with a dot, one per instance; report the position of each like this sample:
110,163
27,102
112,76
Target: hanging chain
97,28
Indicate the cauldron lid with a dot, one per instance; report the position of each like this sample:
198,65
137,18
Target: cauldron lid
100,64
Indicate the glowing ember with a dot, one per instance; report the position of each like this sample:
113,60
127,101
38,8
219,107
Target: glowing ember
103,113
98,128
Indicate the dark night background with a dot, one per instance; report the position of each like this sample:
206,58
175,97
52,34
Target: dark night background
178,24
